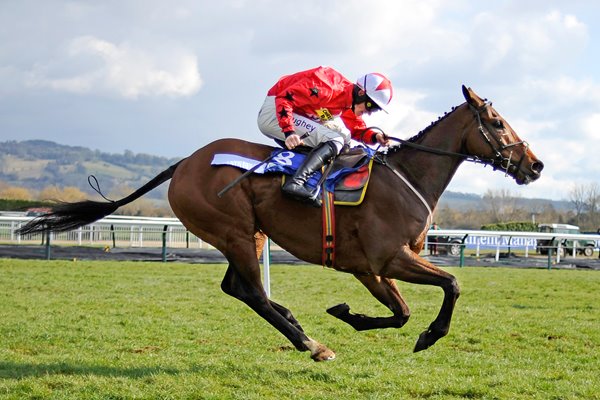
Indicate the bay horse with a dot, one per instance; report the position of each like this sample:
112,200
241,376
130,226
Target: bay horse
378,241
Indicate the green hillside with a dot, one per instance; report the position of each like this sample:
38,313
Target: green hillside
35,164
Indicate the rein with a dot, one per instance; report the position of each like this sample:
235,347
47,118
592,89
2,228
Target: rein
433,150
498,162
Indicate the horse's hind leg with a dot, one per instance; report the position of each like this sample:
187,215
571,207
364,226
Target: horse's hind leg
384,290
287,314
242,281
259,241
227,286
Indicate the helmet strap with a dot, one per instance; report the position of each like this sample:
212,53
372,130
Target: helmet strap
358,98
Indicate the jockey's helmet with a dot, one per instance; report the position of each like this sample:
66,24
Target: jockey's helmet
377,87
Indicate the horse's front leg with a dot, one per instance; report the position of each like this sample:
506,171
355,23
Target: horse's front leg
242,281
410,267
384,290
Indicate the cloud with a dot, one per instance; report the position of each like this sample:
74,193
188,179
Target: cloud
96,66
591,127
564,91
405,117
495,47
382,34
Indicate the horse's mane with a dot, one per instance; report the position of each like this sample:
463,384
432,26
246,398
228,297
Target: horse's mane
422,133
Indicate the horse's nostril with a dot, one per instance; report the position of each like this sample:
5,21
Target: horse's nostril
537,167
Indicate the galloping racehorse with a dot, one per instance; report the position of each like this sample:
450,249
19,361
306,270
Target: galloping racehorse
378,241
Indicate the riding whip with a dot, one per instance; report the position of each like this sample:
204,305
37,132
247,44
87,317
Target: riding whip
251,170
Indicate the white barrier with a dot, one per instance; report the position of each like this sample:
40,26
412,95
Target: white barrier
506,238
147,232
113,230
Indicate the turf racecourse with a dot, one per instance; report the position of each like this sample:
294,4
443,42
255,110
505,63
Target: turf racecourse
140,330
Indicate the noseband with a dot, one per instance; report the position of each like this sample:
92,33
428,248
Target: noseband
499,161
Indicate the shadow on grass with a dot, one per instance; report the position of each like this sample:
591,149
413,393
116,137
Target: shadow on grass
12,370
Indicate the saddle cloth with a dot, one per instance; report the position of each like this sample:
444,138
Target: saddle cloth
348,179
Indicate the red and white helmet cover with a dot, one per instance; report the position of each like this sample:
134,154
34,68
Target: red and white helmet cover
377,87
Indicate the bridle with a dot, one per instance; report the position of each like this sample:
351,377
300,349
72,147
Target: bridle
498,161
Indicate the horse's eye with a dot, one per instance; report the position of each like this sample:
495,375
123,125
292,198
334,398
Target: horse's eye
498,124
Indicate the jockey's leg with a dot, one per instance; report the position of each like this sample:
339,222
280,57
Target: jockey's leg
326,139
314,161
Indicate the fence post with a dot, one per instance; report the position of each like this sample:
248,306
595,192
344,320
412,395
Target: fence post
164,243
462,251
267,267
48,235
112,233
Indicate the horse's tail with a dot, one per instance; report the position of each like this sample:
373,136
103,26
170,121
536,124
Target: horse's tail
69,216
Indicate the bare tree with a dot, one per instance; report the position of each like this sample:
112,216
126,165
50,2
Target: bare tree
585,199
592,205
502,205
577,197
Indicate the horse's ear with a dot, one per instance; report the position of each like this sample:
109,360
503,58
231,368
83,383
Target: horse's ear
466,93
471,97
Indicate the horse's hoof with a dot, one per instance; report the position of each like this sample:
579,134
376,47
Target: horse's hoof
340,309
428,339
422,342
323,354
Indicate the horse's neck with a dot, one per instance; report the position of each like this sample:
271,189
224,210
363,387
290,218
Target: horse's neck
428,172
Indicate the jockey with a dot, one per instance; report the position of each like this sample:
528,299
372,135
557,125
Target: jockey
300,108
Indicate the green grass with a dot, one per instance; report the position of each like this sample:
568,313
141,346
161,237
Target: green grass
97,330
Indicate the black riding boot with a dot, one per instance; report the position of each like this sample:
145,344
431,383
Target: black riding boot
313,162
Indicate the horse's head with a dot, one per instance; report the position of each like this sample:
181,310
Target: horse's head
495,143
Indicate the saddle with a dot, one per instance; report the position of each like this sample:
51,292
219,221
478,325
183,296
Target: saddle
347,178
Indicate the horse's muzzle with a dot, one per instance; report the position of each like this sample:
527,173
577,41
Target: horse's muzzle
533,173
